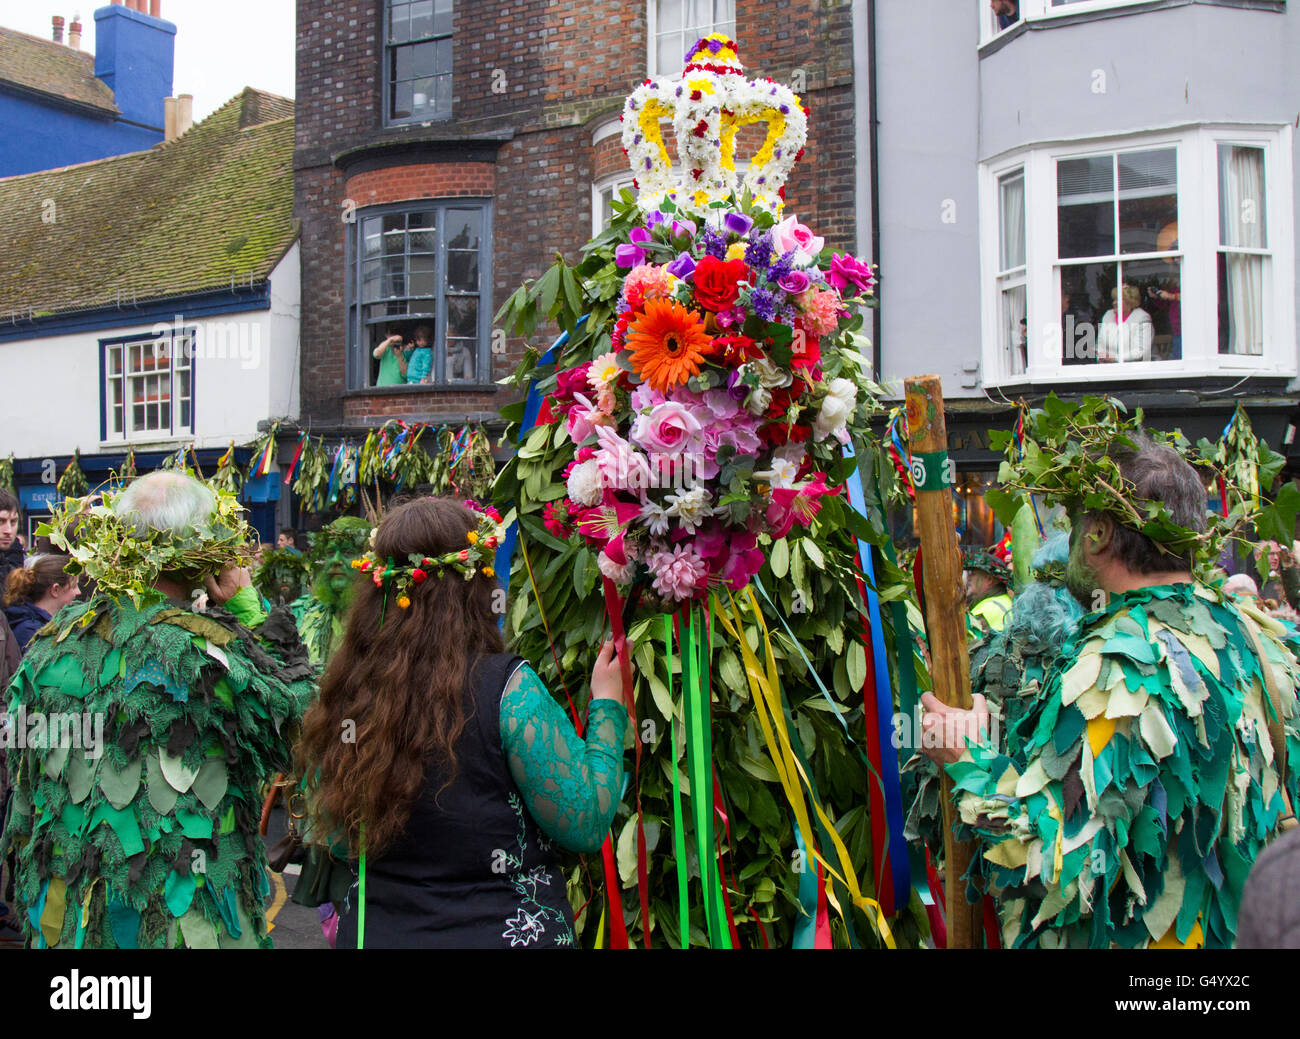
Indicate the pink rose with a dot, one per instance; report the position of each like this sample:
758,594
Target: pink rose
669,429
790,234
848,270
795,282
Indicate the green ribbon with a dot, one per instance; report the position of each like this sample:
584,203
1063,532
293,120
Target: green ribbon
361,908
679,828
931,470
699,764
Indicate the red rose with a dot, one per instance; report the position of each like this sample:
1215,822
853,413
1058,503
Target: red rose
717,282
418,575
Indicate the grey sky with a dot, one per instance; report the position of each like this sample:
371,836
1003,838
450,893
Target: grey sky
222,46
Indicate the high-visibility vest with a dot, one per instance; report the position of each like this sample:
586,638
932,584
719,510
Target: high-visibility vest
993,611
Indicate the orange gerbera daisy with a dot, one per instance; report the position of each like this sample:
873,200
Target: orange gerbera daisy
668,342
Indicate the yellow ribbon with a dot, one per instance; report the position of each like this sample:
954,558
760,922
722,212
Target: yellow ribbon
764,685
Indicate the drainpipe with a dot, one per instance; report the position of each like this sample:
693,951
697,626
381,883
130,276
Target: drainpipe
873,133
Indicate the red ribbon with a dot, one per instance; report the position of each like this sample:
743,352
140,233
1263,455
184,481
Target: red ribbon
294,464
937,912
617,927
822,929
875,793
719,809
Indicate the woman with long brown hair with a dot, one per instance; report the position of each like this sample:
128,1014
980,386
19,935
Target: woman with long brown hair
441,763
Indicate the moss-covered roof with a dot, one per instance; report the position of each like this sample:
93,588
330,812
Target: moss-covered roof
187,216
51,68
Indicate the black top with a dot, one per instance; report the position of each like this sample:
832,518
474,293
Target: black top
471,870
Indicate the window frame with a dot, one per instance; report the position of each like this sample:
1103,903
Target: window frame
360,355
1042,11
1198,215
614,183
388,47
176,430
652,38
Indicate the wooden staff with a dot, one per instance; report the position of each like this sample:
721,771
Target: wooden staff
945,615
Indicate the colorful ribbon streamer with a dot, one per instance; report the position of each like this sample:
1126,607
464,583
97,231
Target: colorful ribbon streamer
886,764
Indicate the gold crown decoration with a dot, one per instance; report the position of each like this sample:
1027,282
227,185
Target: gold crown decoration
708,106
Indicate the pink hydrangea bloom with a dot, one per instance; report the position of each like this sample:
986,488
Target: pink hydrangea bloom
679,573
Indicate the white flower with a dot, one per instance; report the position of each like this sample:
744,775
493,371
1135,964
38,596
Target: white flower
691,507
655,517
585,485
786,463
758,401
604,371
772,377
618,574
836,409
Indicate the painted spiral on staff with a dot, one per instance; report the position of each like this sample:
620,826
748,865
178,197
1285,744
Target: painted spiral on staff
918,472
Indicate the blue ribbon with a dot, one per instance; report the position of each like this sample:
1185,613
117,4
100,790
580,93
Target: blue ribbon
898,856
505,554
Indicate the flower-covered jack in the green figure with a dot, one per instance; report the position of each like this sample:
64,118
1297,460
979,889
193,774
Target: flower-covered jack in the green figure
143,832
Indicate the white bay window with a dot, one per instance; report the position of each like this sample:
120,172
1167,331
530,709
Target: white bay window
1146,257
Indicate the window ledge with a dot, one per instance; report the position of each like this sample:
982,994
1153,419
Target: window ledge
418,388
1053,21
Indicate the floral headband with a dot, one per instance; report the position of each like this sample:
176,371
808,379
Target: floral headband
482,542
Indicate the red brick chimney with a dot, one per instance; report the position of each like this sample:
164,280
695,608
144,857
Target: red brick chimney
74,34
58,28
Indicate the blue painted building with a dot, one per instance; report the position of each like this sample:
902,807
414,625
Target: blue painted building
60,106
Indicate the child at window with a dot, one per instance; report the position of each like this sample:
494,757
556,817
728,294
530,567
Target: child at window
420,367
393,358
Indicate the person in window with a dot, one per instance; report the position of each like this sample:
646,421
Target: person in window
464,772
35,592
1007,12
460,362
393,357
420,366
1171,297
1129,336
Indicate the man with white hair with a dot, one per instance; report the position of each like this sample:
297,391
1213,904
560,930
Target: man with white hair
137,826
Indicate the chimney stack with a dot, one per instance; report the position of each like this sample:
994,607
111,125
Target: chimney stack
58,28
155,8
74,33
169,119
184,113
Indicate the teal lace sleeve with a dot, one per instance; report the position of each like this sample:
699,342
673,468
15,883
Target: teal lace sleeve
571,785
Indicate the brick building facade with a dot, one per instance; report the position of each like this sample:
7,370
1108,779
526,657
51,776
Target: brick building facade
445,151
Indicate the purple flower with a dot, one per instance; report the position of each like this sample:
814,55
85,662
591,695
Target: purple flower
736,390
684,227
848,270
794,282
629,256
682,267
715,243
653,219
763,304
737,223
639,235
759,254
783,266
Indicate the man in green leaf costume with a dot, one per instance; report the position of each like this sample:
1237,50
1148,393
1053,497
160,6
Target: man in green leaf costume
1140,784
135,826
320,612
